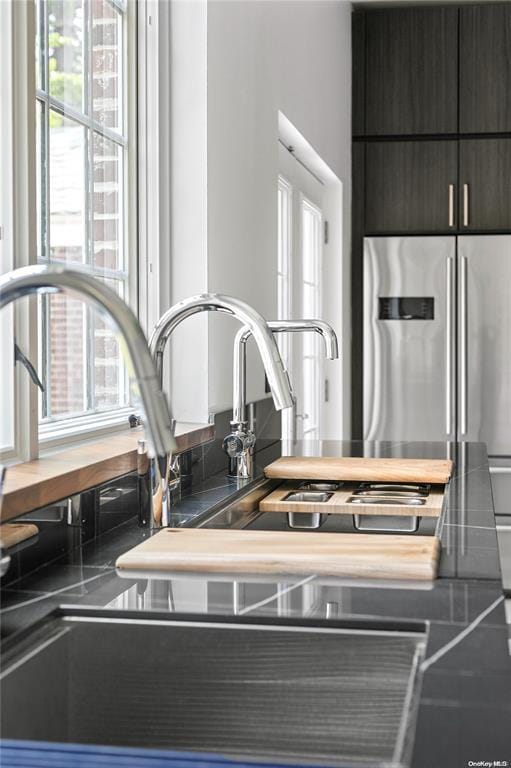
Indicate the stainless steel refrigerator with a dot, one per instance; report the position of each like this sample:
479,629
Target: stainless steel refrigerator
437,340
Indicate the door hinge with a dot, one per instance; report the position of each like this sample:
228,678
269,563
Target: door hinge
326,233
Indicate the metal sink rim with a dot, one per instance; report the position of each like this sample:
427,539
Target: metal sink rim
355,623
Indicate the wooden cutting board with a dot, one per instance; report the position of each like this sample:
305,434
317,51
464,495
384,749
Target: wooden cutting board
338,503
362,469
361,555
14,533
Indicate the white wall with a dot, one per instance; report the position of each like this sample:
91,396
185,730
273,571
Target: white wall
188,259
264,56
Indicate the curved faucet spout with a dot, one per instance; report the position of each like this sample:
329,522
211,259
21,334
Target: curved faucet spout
213,302
325,330
278,326
54,279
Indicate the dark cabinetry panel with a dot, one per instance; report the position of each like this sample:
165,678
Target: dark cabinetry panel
485,69
407,185
411,71
485,167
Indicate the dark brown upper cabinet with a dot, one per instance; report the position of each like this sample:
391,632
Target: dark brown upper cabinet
410,186
485,69
411,71
485,184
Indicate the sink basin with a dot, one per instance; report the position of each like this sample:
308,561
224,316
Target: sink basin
335,693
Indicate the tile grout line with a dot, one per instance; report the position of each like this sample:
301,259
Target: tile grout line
277,594
463,525
426,664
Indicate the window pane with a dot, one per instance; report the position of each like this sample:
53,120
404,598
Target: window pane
67,343
107,199
80,198
39,46
65,51
106,64
67,189
110,390
41,176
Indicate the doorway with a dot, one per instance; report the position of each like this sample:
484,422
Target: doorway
300,256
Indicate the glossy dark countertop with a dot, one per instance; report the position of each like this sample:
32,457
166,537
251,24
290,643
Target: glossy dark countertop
465,707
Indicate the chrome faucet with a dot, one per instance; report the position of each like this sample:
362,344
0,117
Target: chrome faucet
252,321
55,279
215,302
240,442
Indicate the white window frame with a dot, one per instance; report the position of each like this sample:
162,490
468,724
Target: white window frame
29,440
301,186
284,274
284,287
6,212
154,149
311,343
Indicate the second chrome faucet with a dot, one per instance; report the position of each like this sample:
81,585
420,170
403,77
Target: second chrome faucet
239,444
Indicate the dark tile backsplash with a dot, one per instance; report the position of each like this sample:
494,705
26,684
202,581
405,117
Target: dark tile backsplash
210,459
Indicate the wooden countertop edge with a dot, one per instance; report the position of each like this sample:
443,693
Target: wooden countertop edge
37,483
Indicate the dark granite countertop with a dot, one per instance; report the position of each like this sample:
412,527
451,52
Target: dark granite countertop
465,706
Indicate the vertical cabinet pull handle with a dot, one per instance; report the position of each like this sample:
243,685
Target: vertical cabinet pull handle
451,205
463,347
465,205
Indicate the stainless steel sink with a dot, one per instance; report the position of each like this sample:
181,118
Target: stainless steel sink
243,512
337,693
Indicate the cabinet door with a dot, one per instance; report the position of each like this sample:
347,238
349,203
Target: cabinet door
411,71
485,184
410,186
485,69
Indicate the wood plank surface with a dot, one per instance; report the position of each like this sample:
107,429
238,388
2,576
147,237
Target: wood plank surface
35,484
332,554
14,533
338,504
436,471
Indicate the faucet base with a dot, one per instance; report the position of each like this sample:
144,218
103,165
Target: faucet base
241,467
239,447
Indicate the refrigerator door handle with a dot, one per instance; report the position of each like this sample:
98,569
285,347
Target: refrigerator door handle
449,363
463,347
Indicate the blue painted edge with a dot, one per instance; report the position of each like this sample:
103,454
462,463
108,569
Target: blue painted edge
42,754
